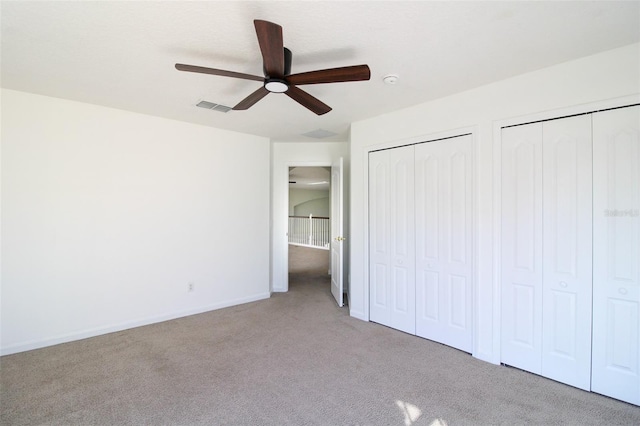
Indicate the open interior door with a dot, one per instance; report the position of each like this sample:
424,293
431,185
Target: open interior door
337,237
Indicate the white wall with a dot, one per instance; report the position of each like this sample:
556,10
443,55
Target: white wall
107,216
300,196
290,154
604,76
319,207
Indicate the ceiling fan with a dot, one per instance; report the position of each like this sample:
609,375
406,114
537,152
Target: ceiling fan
277,72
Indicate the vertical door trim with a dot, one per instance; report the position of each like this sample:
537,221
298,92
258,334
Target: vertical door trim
284,264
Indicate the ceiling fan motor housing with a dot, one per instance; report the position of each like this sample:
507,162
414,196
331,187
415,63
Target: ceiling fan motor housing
288,57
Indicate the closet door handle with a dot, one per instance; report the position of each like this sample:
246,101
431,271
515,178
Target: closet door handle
563,284
622,290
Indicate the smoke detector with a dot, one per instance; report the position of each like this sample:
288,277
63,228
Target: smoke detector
390,79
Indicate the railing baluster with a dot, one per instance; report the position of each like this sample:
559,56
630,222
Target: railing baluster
309,231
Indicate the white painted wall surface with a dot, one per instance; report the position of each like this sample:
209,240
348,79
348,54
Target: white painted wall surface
299,196
608,75
107,216
290,154
318,208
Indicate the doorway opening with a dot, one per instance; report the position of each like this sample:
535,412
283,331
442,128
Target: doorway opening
336,240
309,234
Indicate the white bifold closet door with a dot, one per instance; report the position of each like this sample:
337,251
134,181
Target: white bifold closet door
444,252
547,249
567,250
521,257
392,238
420,240
616,267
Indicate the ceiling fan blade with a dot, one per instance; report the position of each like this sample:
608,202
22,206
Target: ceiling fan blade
213,71
307,101
332,75
271,46
250,100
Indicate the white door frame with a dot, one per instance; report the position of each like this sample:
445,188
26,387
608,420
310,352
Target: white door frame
284,264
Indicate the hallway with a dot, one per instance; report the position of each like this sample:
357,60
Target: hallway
308,262
309,269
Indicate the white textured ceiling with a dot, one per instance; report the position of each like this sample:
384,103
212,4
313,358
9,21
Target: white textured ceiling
310,178
122,54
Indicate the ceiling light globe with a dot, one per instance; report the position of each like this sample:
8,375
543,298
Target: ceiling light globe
276,86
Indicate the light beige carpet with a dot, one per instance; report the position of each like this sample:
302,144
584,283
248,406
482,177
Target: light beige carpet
295,359
308,261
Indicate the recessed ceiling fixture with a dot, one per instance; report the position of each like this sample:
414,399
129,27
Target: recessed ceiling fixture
390,79
319,134
276,65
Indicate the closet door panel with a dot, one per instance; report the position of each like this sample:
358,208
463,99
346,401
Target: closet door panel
458,330
444,171
391,238
429,238
521,257
567,250
616,238
379,243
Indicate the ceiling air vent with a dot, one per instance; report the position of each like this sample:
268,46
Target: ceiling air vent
319,134
215,107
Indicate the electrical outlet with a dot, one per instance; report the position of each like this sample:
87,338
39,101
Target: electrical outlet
191,286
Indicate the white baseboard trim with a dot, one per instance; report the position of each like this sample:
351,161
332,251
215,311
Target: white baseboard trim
358,315
490,358
98,331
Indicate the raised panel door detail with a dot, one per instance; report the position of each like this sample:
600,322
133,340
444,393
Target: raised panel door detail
622,337
521,247
401,200
378,210
563,313
524,167
427,203
616,256
567,250
457,194
444,171
524,323
457,291
401,292
430,300
380,286
565,223
623,185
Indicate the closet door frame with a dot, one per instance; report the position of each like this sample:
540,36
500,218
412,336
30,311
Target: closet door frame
431,137
497,192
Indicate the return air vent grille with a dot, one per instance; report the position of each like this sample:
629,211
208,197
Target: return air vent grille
319,134
215,107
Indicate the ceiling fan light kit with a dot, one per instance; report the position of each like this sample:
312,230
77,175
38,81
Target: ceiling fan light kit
275,85
277,78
